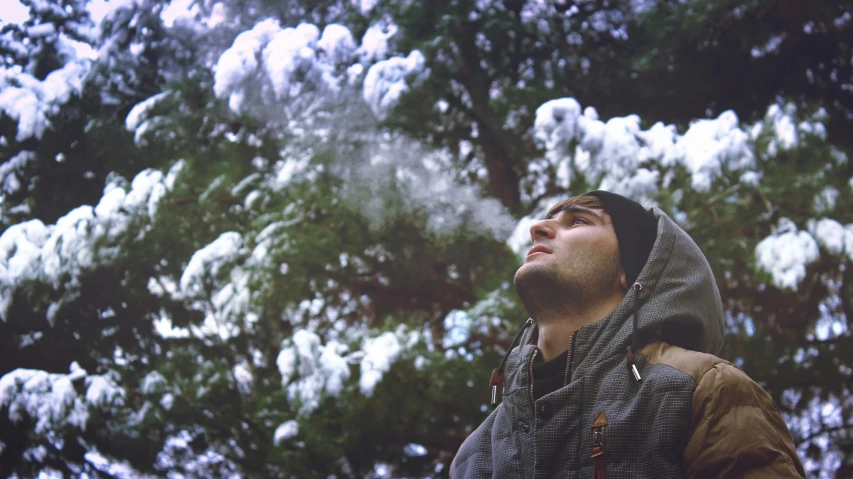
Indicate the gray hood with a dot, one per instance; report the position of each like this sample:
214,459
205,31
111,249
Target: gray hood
680,295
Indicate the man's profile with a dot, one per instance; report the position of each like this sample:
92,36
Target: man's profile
614,374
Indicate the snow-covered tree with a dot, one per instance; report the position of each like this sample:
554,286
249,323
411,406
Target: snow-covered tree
254,239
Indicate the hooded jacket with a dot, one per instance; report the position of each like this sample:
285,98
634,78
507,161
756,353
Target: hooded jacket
691,414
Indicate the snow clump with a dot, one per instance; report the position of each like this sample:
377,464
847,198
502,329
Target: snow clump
786,134
268,64
31,102
240,63
829,234
616,154
375,42
51,400
152,383
9,180
609,154
825,200
309,369
711,146
299,68
388,80
286,431
207,263
138,120
218,287
379,354
785,253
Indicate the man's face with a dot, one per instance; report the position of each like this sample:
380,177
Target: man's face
574,261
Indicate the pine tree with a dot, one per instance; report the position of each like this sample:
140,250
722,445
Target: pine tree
299,254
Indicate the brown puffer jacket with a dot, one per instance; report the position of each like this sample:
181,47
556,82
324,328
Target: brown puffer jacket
691,415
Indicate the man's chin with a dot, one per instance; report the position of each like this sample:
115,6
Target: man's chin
535,285
533,275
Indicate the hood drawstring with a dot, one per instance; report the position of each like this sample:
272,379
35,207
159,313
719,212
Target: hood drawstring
632,365
497,381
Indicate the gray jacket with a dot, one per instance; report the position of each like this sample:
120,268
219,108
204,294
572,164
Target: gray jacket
691,414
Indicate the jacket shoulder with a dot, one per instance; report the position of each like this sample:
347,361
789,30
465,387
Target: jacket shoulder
736,428
691,363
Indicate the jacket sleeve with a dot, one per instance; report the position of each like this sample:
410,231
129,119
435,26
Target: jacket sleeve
453,462
481,441
737,431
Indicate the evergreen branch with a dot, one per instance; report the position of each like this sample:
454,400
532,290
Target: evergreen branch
100,471
732,189
825,430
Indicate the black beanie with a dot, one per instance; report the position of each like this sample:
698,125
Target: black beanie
636,230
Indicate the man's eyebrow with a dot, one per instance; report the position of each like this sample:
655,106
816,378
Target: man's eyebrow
575,209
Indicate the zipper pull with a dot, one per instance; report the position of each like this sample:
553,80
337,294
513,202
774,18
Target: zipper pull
597,437
598,444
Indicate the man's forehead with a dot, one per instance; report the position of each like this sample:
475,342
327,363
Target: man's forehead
577,209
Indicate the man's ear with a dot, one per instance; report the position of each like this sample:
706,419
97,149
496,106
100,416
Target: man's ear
623,281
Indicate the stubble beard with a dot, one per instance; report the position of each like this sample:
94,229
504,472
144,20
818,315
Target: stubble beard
549,292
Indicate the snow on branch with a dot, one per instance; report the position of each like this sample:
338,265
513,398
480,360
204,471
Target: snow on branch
208,261
379,354
10,182
286,61
785,253
31,102
286,430
619,156
388,80
269,68
139,120
33,251
214,284
311,370
52,401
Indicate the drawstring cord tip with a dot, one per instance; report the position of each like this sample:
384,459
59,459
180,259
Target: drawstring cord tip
636,373
632,365
496,383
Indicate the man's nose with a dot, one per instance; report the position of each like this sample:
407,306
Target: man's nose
541,229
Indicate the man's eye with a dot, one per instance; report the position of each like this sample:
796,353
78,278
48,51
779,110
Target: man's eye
579,220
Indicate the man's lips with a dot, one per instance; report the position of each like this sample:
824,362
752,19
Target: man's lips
538,249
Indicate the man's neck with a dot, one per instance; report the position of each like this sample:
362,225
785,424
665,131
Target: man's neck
557,327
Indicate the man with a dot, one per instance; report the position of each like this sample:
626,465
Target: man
614,376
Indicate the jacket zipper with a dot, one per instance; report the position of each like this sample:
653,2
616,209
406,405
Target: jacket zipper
571,360
598,453
567,378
